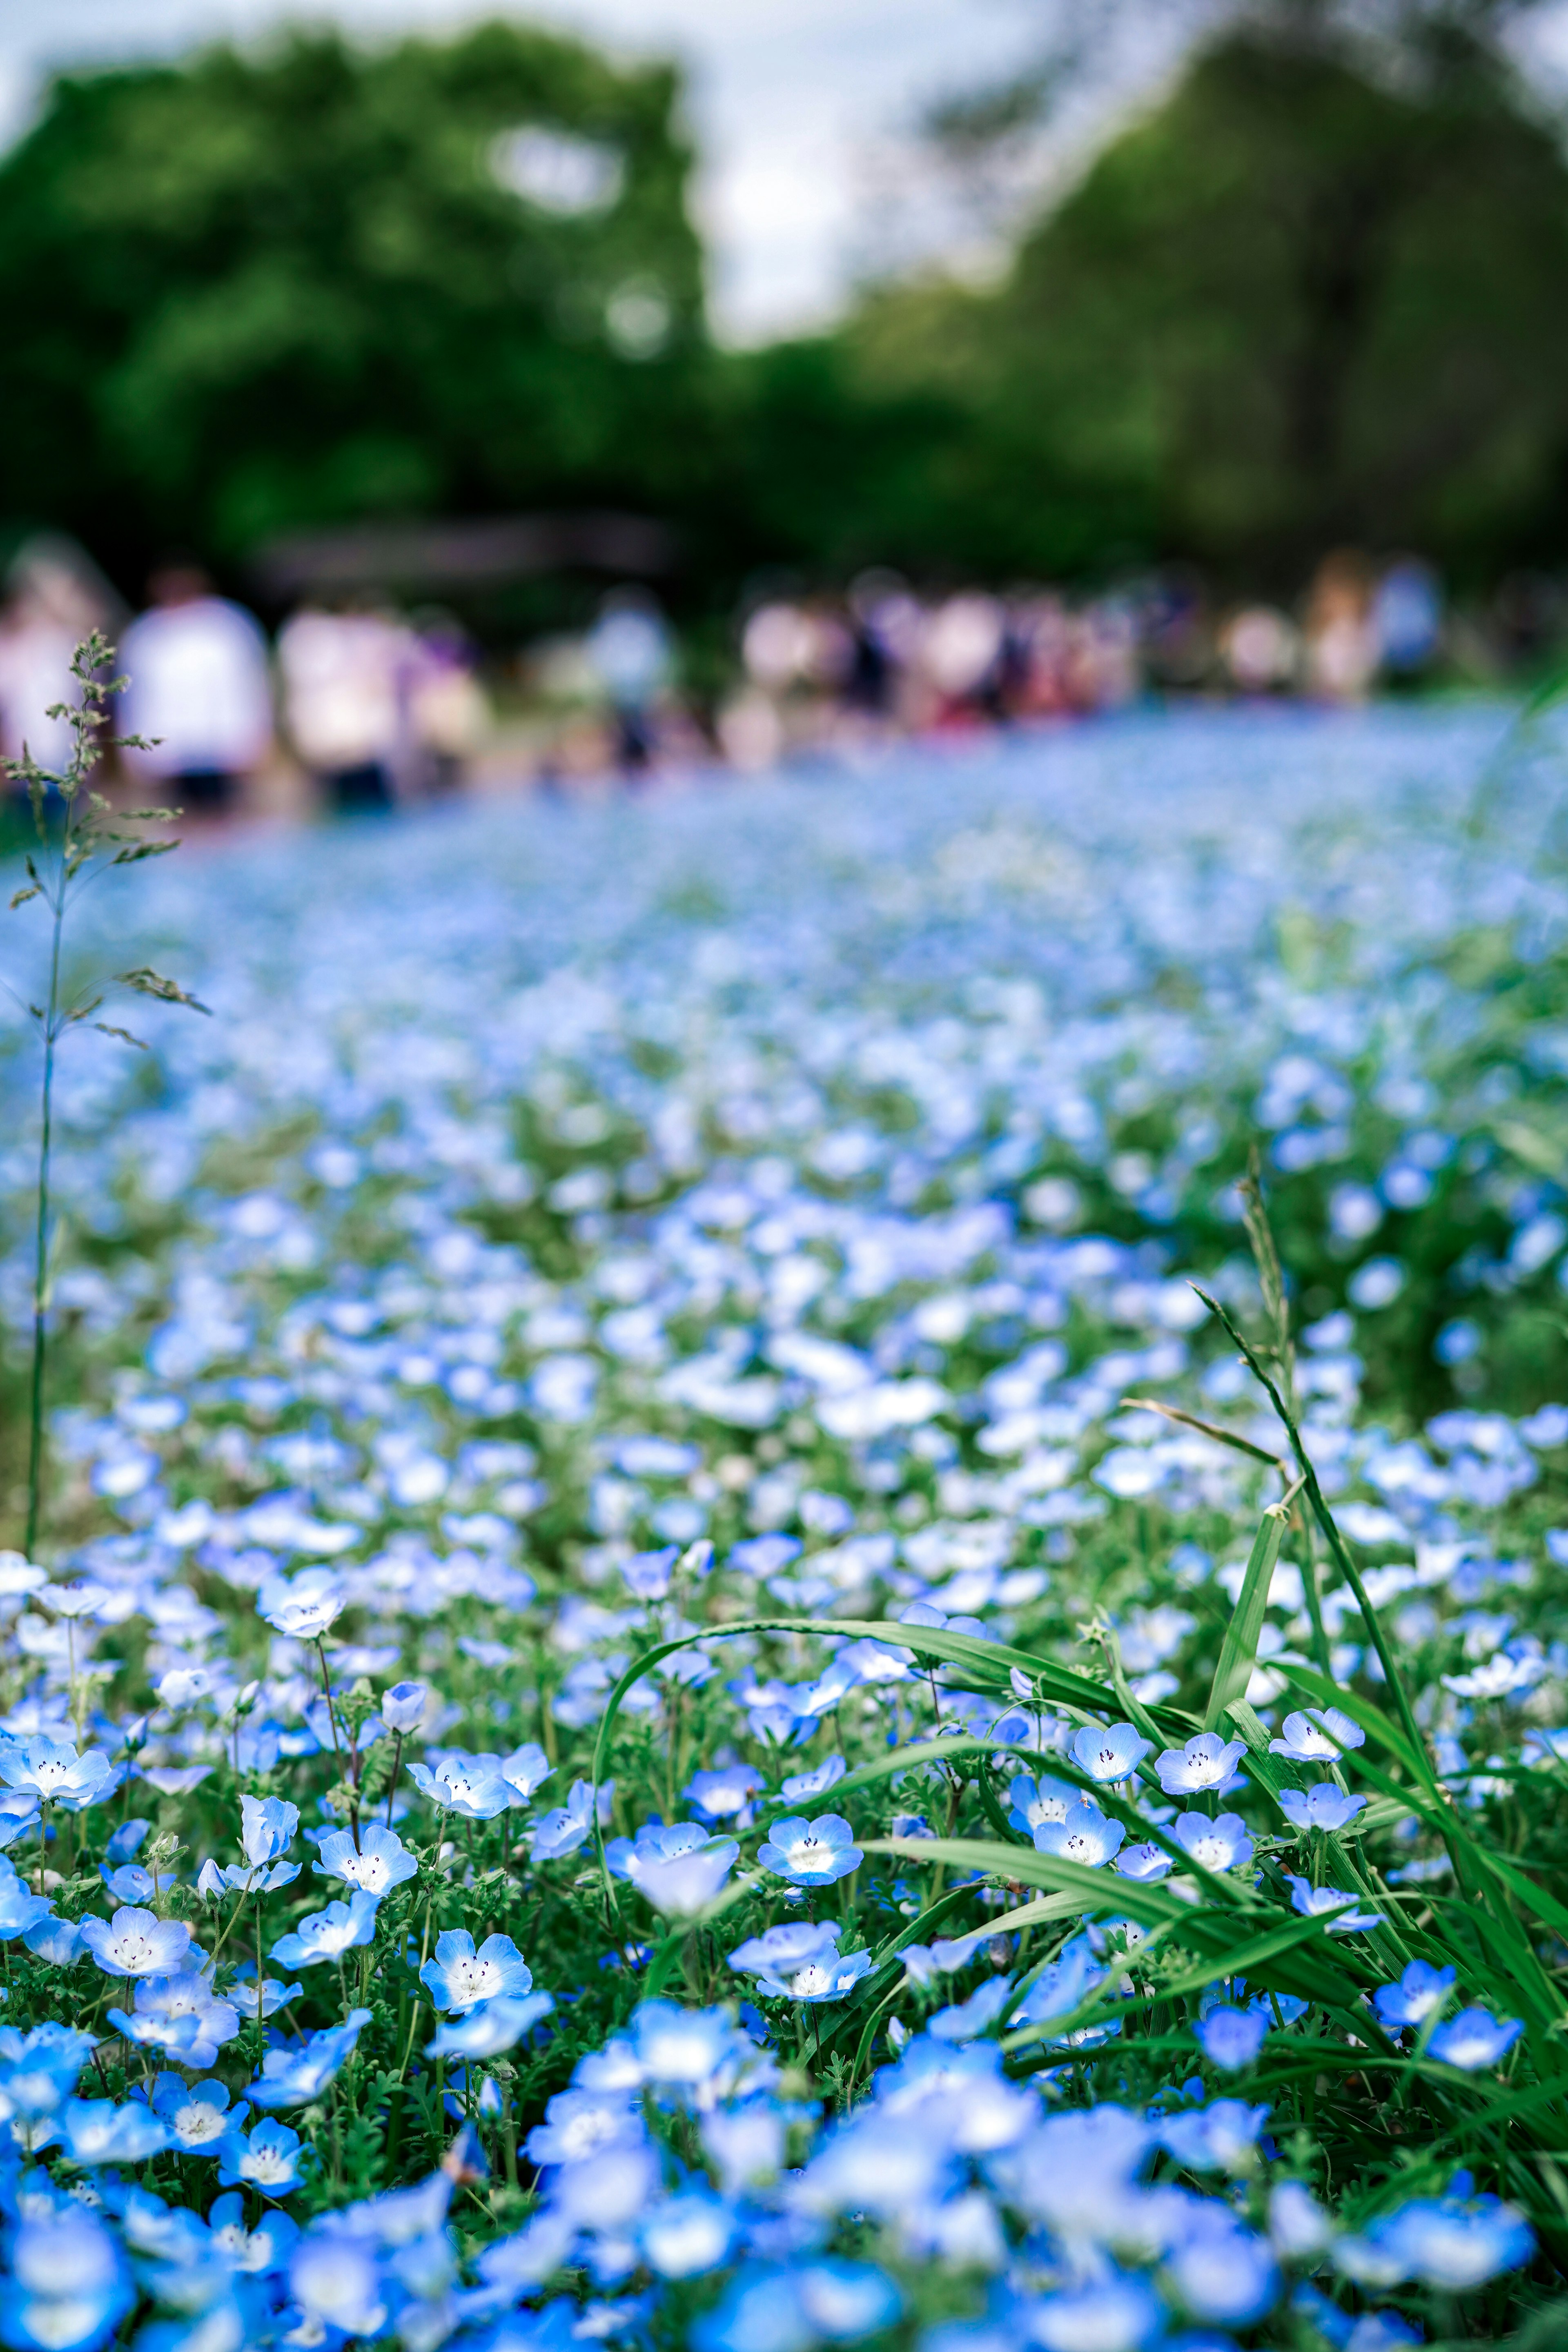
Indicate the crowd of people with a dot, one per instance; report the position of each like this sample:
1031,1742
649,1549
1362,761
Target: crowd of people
379,709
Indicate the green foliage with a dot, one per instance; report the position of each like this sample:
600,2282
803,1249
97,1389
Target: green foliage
1295,305
262,290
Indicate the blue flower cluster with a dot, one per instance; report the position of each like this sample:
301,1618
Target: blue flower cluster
631,1729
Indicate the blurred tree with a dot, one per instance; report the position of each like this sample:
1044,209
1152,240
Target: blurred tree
315,284
1321,294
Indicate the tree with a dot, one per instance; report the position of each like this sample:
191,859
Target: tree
1307,300
313,284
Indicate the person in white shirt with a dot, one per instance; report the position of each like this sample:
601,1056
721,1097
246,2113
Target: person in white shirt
199,691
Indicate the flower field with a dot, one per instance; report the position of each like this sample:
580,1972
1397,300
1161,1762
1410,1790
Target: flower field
734,1648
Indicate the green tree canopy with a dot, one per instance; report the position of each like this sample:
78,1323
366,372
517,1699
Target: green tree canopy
315,284
1299,303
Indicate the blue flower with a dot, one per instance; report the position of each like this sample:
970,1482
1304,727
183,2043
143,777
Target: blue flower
800,1787
198,2114
260,2252
1451,2243
472,1789
1221,2138
302,1607
328,1935
1474,2039
1205,1762
963,2021
136,1943
267,1828
1420,1990
1221,2270
268,2162
1143,1861
52,1772
1314,1900
1110,1755
690,2234
1084,1835
1112,2310
458,1977
380,1861
647,1573
489,2028
336,2278
96,2131
569,1826
19,1910
800,1961
1231,2038
721,1795
180,2015
1317,1735
1219,1844
810,1854
1036,1801
1321,1808
403,1707
68,2285
292,2077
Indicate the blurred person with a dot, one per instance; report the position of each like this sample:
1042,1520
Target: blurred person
1407,617
960,653
55,597
199,689
1260,649
628,650
1341,641
344,675
448,713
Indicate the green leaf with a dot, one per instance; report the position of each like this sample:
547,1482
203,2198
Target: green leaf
1238,1651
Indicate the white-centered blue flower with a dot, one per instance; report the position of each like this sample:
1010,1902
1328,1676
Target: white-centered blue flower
1317,1735
136,1943
457,1975
1084,1835
379,1862
1320,1807
810,1854
327,1935
1110,1755
1206,1762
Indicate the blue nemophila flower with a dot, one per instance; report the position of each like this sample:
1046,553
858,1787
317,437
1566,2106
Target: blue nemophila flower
1071,1977
1220,1845
1474,2039
403,1707
19,1909
810,1854
489,2028
291,2077
800,1961
800,1787
558,1833
721,1795
58,1941
260,2252
457,1975
274,1994
472,1787
525,1770
52,1772
180,2015
136,1943
1220,2138
1112,1755
130,1883
1312,1901
96,2131
579,2123
1411,2001
1084,1835
1452,2243
1322,1807
328,1935
19,1812
648,1573
336,2280
268,2162
690,2234
1115,2311
963,2021
1231,2038
1034,1801
70,2287
1220,2271
1317,1735
197,2115
380,1861
1143,1861
302,1606
1205,1762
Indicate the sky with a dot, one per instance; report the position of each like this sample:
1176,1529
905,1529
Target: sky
803,110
